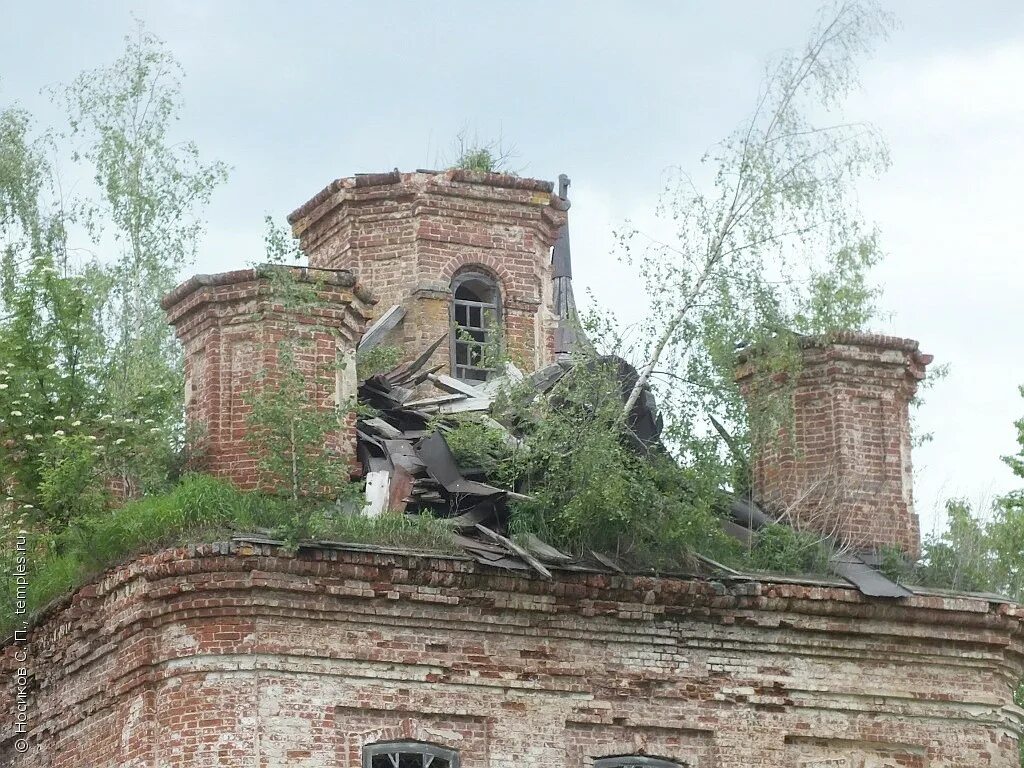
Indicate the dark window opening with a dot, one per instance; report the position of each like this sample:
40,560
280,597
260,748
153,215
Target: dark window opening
408,754
476,315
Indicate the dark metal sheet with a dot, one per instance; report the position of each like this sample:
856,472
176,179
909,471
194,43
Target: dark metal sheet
866,579
472,517
739,532
435,453
544,551
746,514
504,562
607,561
402,454
404,372
547,377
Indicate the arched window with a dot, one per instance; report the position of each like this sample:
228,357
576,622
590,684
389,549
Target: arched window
476,317
635,761
408,754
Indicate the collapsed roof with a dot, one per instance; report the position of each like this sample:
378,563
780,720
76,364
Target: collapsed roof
410,468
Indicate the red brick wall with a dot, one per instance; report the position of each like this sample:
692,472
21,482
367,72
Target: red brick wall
845,468
237,655
230,326
406,236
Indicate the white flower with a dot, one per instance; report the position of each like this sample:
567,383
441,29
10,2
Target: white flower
106,417
154,429
58,418
29,437
90,437
4,386
76,423
148,421
15,413
59,433
51,366
119,441
27,506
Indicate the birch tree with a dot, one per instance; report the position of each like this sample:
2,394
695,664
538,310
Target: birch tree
90,384
774,242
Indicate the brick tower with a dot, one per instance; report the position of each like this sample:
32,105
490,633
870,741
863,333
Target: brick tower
230,326
845,470
456,250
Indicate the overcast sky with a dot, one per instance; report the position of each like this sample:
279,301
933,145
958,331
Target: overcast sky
293,95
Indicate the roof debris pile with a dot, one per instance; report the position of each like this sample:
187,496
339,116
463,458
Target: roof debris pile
410,467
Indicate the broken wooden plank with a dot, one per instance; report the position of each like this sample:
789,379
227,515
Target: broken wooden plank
509,377
466,405
431,401
448,384
381,427
403,372
428,496
380,327
419,378
401,394
532,561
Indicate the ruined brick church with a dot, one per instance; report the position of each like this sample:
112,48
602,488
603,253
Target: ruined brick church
244,653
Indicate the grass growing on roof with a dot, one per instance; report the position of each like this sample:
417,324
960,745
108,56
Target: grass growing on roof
199,508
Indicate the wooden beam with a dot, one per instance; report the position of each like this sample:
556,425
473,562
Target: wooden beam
429,401
532,561
466,404
380,327
448,384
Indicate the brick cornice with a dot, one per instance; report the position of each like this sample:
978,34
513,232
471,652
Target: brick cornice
363,642
371,572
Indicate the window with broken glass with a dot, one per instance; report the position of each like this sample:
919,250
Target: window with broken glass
476,314
636,761
408,754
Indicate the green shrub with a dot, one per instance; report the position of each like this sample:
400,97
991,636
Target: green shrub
479,445
388,530
199,508
780,549
590,488
379,359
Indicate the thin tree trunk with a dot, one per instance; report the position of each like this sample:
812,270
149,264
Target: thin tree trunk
295,462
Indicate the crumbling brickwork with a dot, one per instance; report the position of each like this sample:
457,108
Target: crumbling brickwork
407,235
842,465
231,325
240,655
